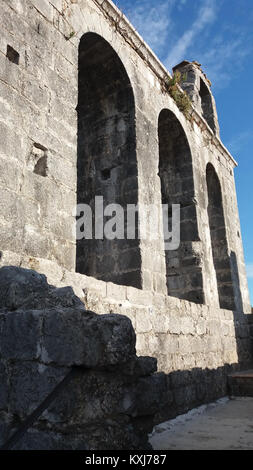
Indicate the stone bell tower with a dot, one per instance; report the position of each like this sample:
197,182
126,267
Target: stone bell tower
197,86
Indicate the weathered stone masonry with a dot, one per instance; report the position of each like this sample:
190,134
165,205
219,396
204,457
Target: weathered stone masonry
46,334
80,66
107,164
83,112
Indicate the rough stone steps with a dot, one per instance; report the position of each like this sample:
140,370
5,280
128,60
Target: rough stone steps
240,384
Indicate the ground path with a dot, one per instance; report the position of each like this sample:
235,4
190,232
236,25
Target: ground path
224,425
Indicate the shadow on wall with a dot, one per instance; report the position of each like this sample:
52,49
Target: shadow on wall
220,251
107,167
183,266
106,162
236,282
188,389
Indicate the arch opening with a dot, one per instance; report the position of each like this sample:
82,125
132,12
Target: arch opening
221,258
106,161
207,105
183,266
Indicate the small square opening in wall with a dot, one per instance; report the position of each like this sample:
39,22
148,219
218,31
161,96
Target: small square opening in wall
38,160
12,55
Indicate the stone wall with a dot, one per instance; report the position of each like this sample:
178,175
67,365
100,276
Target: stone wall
45,332
183,266
46,64
48,163
195,346
115,398
196,84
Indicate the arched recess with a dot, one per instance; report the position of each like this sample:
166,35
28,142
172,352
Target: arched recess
183,266
221,258
106,163
207,105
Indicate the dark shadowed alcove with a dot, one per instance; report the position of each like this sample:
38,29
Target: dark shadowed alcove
207,105
217,226
184,274
106,163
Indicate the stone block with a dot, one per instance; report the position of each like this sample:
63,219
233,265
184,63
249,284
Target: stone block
185,396
147,280
180,378
9,258
44,7
151,392
145,366
20,333
10,174
115,292
142,344
201,327
56,332
11,239
187,326
185,346
92,342
160,322
170,345
159,283
90,288
26,289
30,384
143,321
52,270
63,252
175,325
58,4
61,170
139,297
212,327
37,92
36,243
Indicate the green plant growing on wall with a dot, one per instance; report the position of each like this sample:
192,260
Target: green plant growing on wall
180,97
71,35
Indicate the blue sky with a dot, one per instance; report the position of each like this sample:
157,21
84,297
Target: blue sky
219,35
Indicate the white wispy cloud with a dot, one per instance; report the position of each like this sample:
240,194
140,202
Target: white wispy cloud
181,4
219,60
152,20
206,15
249,269
217,45
239,141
